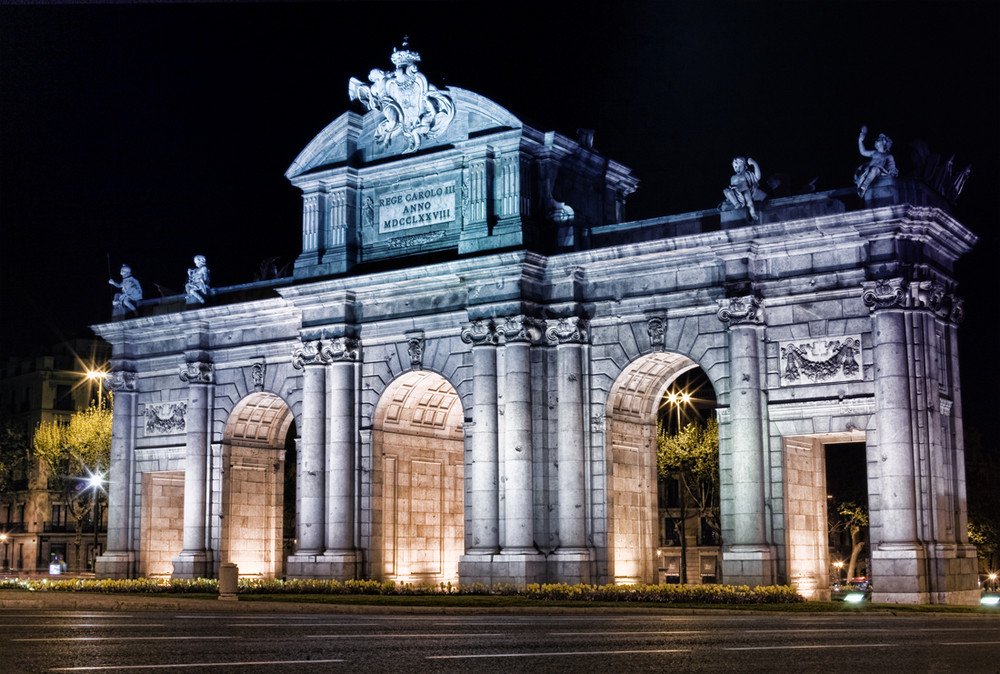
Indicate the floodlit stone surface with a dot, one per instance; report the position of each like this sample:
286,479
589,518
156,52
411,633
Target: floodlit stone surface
469,358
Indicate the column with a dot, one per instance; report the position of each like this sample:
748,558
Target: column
917,556
118,560
572,557
749,557
893,419
483,477
517,448
341,556
311,470
195,559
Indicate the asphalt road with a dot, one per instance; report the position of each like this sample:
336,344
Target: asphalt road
101,640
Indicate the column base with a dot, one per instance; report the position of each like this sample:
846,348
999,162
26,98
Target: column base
507,568
748,565
570,565
115,565
904,573
330,565
193,564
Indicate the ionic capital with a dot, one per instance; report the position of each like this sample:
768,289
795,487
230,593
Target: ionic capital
569,330
120,381
746,310
197,372
521,328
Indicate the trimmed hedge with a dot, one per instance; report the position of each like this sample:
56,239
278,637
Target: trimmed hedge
659,594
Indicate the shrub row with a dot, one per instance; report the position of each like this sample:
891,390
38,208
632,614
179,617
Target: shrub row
663,594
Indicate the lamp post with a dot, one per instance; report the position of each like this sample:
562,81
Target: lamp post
98,376
94,483
677,399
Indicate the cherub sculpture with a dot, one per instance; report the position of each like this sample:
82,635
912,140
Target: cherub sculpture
743,187
131,292
880,162
197,283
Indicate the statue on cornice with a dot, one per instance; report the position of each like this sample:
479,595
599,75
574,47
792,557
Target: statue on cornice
409,105
879,163
743,187
131,292
197,283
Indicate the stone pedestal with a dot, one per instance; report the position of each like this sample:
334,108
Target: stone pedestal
748,565
915,574
116,564
191,564
504,569
571,566
331,565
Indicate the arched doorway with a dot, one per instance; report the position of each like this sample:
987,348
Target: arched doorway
635,529
254,485
418,481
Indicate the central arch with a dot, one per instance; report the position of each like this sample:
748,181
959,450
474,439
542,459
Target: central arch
253,485
418,481
632,409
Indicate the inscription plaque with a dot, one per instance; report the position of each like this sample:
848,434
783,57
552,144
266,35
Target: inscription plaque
422,205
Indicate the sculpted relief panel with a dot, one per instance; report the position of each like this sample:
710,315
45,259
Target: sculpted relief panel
166,418
821,361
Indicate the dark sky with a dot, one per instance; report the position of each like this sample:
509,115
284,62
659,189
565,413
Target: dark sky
147,133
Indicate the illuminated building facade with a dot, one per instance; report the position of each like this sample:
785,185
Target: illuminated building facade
460,382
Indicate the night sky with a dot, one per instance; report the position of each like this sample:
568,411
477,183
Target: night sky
148,133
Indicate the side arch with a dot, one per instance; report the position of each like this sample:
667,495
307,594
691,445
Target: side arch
417,483
630,445
256,441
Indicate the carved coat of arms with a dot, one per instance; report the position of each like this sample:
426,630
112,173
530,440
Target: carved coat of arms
409,105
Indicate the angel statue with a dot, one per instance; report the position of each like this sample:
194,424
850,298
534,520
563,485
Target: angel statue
197,283
131,292
880,162
744,187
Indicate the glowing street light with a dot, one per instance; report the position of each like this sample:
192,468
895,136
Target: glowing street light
95,483
98,376
678,399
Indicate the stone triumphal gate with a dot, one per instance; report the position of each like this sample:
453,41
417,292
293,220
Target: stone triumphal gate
460,382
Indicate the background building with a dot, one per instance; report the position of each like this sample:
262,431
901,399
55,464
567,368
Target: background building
35,519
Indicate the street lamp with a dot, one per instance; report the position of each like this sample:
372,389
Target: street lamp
677,399
98,376
95,483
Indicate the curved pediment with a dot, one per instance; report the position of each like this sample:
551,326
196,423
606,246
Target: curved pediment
355,135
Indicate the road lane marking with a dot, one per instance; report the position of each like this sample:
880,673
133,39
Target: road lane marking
124,638
390,635
803,647
824,630
259,663
300,626
605,633
554,653
968,643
